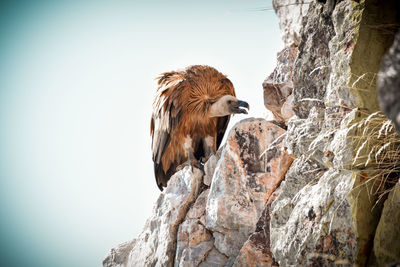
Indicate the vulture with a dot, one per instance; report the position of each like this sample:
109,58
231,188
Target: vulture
191,111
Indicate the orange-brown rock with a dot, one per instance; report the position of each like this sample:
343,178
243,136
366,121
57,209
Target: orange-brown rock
278,87
256,251
252,166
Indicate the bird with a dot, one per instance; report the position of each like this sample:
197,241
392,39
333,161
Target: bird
191,112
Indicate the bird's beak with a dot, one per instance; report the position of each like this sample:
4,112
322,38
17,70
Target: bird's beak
243,104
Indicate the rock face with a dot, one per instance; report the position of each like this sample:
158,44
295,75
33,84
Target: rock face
291,14
278,87
323,191
325,213
193,225
234,205
387,242
389,83
157,243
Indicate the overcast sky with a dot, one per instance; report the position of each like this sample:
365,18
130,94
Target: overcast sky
76,92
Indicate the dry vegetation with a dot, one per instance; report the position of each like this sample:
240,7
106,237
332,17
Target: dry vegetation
378,152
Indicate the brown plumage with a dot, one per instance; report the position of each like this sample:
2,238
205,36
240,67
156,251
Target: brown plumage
190,114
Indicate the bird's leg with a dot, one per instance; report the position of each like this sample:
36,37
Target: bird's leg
209,148
191,160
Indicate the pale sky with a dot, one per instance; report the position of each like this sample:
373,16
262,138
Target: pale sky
76,92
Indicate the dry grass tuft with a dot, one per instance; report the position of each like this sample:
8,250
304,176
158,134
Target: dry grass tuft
378,153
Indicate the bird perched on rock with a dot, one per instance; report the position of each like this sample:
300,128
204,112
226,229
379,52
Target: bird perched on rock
191,111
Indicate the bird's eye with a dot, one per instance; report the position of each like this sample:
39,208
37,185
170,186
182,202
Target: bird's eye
229,102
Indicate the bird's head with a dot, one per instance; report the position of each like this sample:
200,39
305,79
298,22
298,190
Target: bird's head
228,105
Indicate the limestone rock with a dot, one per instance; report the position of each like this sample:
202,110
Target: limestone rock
194,243
209,168
250,169
214,258
118,256
387,237
301,133
256,251
291,14
325,213
155,246
346,19
389,83
192,225
199,207
310,218
278,87
312,66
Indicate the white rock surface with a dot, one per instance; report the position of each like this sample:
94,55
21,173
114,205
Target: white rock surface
325,213
291,13
155,246
240,186
192,225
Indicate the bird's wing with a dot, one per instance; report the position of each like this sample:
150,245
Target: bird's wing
166,116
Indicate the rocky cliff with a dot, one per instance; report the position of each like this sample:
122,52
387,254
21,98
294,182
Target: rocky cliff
317,186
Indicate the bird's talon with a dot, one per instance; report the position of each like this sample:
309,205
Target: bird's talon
193,163
205,159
